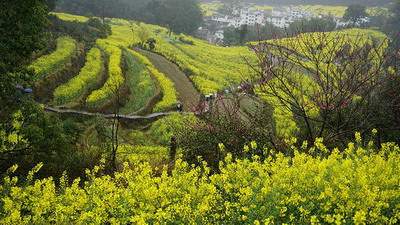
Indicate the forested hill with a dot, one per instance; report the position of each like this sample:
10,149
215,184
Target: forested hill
323,2
164,13
124,8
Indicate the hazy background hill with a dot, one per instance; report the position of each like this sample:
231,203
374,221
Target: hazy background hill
307,2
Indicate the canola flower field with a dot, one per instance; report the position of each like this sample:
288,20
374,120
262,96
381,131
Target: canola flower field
51,63
86,80
357,185
211,68
111,88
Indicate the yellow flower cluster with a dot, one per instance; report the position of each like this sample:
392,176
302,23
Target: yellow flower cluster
111,88
86,80
52,63
357,186
212,68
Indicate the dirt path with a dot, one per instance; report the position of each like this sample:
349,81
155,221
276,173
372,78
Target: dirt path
72,112
188,95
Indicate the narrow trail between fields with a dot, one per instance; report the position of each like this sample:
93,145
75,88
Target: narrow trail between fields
188,95
71,112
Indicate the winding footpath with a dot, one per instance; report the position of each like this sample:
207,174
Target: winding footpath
188,95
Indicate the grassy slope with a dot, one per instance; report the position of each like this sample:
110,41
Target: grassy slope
209,9
142,87
69,17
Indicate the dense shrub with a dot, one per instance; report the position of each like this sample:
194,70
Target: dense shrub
82,29
224,122
353,187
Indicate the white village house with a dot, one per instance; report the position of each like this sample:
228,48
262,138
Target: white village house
241,17
280,17
283,16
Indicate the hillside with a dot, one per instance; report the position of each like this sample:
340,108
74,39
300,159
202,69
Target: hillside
205,68
116,121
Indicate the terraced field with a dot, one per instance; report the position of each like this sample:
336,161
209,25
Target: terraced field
169,94
112,70
153,83
50,64
143,89
82,84
210,67
111,88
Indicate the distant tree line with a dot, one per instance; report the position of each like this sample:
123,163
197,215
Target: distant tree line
181,16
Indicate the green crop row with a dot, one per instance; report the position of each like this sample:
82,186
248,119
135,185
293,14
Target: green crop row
141,85
70,17
85,81
111,88
50,64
